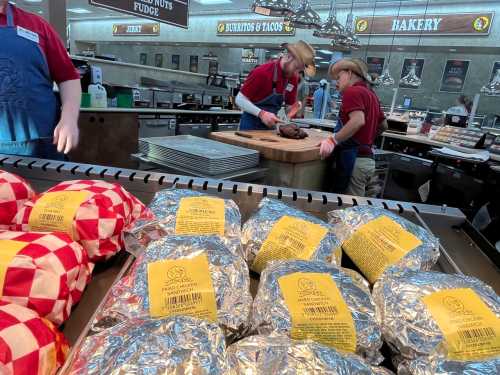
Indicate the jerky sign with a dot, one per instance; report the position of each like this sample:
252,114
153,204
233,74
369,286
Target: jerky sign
173,12
152,29
254,27
434,24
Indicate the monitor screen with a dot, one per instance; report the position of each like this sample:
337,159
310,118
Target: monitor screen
456,120
407,102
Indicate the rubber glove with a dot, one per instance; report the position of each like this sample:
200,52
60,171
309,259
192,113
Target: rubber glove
269,119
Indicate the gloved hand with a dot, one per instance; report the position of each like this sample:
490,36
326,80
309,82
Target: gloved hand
269,119
66,135
326,147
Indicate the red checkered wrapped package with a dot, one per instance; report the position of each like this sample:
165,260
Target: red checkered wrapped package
93,212
29,345
46,272
14,191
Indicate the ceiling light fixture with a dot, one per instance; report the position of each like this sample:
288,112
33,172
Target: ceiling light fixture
78,10
386,79
305,17
349,39
275,8
213,2
331,28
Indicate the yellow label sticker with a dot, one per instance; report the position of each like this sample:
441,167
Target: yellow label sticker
337,255
379,244
289,238
471,330
8,250
318,311
54,212
200,216
181,287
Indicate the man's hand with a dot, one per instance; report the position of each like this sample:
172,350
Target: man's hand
66,135
326,147
269,119
293,110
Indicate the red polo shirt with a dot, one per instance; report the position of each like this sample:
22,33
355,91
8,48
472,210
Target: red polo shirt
60,66
359,97
259,84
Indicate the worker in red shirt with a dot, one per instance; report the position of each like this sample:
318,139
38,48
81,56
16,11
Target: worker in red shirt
269,85
361,120
33,120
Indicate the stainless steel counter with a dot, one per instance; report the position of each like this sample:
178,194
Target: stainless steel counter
160,111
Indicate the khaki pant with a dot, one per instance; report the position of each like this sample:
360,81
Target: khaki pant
364,169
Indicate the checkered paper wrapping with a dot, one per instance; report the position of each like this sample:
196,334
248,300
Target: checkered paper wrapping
29,345
48,275
99,221
14,192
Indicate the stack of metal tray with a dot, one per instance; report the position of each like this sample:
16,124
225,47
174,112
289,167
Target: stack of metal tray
198,154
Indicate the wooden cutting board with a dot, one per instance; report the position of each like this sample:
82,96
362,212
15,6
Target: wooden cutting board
282,149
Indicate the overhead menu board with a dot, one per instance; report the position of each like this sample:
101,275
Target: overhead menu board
375,65
174,12
454,75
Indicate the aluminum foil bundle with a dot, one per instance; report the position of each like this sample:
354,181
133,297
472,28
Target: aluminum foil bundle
279,355
187,212
379,241
93,212
224,291
46,272
277,231
176,345
439,323
29,345
317,301
14,191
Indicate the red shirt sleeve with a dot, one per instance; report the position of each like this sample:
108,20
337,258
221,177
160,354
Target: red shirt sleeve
60,66
353,100
291,97
255,82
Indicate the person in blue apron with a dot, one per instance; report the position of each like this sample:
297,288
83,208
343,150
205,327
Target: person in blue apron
32,122
360,120
270,85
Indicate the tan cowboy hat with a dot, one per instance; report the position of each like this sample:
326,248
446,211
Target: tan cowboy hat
305,53
356,66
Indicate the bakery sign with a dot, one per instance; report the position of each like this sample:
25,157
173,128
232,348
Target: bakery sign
254,27
173,12
432,24
141,29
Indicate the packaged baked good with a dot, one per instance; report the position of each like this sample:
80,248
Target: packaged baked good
14,192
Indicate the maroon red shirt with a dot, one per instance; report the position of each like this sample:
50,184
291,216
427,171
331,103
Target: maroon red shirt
60,66
359,97
259,84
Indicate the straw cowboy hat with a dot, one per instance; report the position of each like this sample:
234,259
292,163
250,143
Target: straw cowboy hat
356,66
305,53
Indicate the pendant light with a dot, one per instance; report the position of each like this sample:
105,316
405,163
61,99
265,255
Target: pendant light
412,79
304,17
385,79
493,87
275,8
350,40
331,28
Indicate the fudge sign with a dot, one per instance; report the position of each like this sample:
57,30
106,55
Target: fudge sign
173,12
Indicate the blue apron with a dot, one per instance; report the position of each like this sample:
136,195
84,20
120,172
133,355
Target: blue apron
345,155
271,103
29,109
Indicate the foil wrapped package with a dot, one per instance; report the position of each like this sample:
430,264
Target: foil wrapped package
277,231
184,275
379,241
14,192
187,212
176,345
439,323
279,355
318,301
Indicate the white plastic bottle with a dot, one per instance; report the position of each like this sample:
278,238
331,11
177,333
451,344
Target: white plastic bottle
98,96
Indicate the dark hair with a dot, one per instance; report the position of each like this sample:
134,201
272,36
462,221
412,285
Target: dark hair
466,102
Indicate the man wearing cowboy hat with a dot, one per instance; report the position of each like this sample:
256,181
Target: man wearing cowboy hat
269,85
361,120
